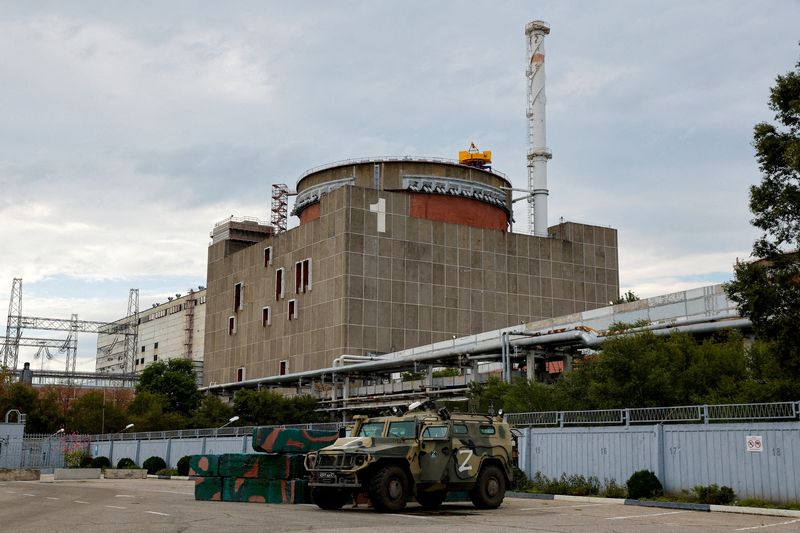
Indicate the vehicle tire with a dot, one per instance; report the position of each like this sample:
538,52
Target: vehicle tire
330,499
388,489
432,499
489,489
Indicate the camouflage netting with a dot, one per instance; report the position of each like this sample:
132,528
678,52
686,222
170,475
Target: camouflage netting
277,476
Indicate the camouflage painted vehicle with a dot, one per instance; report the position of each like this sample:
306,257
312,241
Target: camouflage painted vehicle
423,455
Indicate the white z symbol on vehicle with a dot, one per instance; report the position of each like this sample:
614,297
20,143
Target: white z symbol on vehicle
464,467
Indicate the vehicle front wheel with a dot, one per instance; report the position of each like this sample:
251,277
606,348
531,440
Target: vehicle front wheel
431,500
388,489
489,489
330,499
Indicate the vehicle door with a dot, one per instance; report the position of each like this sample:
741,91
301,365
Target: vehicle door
466,452
435,451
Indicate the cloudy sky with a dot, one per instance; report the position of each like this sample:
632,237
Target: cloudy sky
128,128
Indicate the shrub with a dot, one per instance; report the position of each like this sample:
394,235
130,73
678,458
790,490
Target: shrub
613,490
167,472
714,494
520,480
126,462
183,465
74,458
86,461
644,484
101,462
154,464
575,485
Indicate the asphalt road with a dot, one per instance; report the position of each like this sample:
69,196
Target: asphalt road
168,505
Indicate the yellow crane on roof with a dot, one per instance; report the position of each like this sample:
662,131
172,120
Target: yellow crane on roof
475,158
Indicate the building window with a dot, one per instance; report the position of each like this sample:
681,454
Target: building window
240,374
302,276
266,317
142,349
238,296
231,325
155,346
155,357
279,284
267,256
283,367
292,309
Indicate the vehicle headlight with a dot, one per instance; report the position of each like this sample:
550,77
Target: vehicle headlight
360,460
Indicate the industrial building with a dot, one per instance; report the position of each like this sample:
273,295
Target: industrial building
173,329
395,253
389,255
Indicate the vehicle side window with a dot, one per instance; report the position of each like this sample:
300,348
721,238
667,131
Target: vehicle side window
487,430
371,429
404,429
435,432
460,429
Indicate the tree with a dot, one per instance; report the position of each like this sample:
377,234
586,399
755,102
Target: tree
212,413
768,288
43,415
91,413
265,407
629,296
149,412
175,381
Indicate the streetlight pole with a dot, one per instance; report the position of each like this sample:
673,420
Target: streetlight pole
231,421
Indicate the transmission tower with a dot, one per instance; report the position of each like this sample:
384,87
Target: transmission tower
131,332
13,327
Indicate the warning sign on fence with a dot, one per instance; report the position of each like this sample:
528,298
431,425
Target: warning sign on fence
755,443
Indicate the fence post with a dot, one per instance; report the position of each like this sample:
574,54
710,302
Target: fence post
705,414
627,415
168,453
560,416
661,470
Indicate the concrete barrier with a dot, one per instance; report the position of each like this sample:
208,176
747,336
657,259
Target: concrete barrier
62,474
125,473
20,474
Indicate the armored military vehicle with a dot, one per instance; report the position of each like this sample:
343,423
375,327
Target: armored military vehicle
420,454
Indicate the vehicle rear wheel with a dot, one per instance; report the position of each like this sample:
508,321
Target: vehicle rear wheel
432,499
388,489
489,489
330,499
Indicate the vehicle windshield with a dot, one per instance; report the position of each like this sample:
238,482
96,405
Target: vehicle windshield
371,429
403,430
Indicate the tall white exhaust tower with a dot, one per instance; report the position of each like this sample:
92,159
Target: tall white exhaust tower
538,154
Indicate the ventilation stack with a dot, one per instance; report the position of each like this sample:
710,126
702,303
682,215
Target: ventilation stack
538,154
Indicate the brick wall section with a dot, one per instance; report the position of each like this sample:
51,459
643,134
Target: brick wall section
457,211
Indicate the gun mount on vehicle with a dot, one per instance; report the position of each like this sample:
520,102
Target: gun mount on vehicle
423,454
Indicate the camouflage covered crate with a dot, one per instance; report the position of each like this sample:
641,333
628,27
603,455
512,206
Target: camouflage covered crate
290,440
204,465
208,489
283,466
255,490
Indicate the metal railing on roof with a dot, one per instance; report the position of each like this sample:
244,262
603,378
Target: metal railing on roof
660,415
361,160
242,219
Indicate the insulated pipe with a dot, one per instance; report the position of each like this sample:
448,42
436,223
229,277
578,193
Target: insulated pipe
538,153
575,336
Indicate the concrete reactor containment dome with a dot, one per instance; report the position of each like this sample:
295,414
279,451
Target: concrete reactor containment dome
437,189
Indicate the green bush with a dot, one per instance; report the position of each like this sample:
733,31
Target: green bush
167,472
183,465
575,485
644,484
154,464
101,462
86,461
613,490
521,482
714,494
126,462
74,458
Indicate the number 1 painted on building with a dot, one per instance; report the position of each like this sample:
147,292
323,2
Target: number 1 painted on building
380,208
